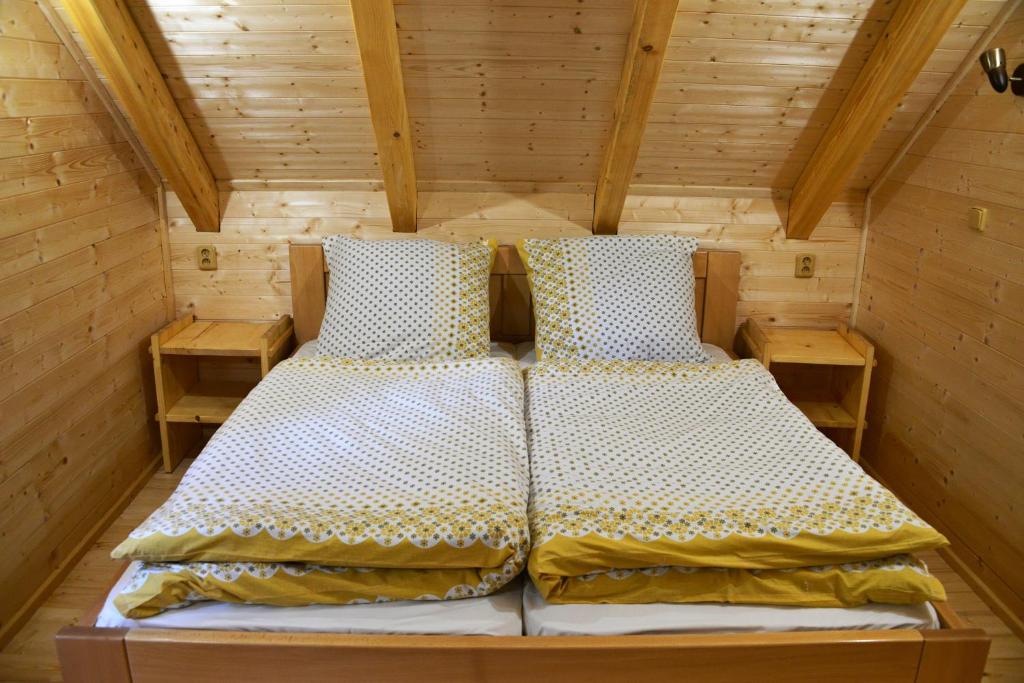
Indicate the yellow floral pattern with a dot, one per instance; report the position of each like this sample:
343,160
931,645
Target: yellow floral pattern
627,297
679,464
357,464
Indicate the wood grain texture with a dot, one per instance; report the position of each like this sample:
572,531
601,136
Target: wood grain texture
376,33
115,42
645,52
907,42
799,657
81,288
748,88
500,91
506,92
253,281
945,308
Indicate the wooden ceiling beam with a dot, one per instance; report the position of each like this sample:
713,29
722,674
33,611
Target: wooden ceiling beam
115,42
910,38
645,53
377,35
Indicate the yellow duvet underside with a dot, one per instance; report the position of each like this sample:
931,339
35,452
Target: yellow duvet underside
158,586
676,465
359,465
898,580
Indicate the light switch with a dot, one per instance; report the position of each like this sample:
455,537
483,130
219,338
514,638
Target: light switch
977,217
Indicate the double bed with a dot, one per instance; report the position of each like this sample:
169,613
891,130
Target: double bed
438,640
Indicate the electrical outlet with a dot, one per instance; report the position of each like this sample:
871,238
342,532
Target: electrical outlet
206,257
977,217
805,265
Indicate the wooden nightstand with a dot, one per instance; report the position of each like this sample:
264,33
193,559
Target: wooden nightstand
186,400
826,373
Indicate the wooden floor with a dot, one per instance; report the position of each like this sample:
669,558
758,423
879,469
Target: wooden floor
30,656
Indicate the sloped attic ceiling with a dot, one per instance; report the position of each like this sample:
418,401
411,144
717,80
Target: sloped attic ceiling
523,90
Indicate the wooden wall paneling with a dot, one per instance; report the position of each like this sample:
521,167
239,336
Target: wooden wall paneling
510,93
253,280
970,63
115,42
943,305
943,68
82,287
754,226
758,83
81,61
377,36
645,52
909,38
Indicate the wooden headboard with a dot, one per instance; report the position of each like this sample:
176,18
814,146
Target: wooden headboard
717,276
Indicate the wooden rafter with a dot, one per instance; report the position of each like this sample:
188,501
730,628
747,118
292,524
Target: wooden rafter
911,36
116,44
377,35
645,53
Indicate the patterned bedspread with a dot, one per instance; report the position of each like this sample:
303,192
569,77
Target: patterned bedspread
643,472
340,481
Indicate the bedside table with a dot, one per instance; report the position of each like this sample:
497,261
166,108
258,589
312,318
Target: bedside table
185,399
826,373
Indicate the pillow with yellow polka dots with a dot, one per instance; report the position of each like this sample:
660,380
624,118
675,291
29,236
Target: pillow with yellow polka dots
406,300
614,298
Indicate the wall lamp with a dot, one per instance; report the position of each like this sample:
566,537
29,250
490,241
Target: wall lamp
994,63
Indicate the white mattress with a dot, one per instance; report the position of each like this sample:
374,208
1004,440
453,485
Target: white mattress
544,619
499,614
524,353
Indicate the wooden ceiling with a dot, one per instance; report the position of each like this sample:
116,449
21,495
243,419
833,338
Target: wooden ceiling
524,91
748,88
513,90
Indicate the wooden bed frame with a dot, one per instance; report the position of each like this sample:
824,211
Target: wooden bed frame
954,653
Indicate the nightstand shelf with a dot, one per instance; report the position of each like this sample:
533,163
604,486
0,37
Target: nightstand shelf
826,373
186,400
827,414
208,402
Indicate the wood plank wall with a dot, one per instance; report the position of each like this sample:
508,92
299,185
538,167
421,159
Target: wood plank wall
253,281
512,90
748,88
272,90
81,287
945,307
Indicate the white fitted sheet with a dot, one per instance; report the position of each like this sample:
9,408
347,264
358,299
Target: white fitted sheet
541,618
499,614
525,352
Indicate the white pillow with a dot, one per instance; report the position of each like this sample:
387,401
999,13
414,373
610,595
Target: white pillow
614,298
406,299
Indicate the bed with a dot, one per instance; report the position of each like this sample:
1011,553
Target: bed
952,652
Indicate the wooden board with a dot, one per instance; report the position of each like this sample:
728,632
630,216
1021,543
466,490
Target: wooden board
944,307
914,31
645,54
376,33
253,281
81,288
114,41
776,73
